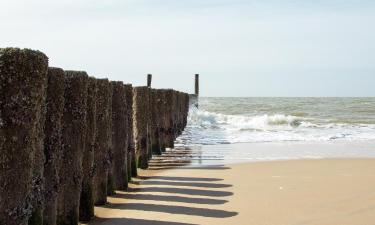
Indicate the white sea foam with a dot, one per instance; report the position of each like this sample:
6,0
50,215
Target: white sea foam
215,128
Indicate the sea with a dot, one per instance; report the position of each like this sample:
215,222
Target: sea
262,129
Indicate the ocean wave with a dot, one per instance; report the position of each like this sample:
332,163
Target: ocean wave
214,128
243,122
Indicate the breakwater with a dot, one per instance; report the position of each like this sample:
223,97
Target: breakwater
68,140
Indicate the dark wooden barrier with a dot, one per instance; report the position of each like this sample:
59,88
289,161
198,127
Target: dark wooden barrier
86,207
73,146
169,120
110,184
70,140
140,123
132,162
155,113
101,157
162,119
119,168
52,143
23,83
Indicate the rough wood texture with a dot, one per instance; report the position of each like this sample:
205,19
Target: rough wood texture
132,165
140,123
162,119
52,142
67,140
86,208
119,166
73,142
169,120
110,184
23,83
155,121
101,157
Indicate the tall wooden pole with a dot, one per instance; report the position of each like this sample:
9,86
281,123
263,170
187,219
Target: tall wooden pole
197,84
149,80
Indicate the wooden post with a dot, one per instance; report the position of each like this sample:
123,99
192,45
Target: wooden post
102,140
197,85
23,86
73,146
149,80
86,205
52,142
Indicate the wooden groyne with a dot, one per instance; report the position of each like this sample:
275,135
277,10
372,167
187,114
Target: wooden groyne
194,97
68,140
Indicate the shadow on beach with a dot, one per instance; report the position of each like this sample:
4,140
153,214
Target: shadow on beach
163,194
124,221
173,198
182,210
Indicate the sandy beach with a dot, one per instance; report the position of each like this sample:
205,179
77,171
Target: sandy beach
324,191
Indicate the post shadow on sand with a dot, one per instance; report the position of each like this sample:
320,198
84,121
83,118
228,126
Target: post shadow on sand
185,191
184,184
172,209
189,168
122,221
191,179
173,198
195,190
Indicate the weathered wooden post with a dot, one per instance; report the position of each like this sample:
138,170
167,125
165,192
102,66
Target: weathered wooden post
186,108
155,121
196,85
132,165
86,207
140,123
101,158
23,84
52,142
119,168
193,99
110,184
149,80
164,121
38,181
169,120
73,146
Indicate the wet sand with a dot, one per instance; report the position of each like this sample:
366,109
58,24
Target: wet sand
324,192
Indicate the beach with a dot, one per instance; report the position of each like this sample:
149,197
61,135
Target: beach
259,161
306,191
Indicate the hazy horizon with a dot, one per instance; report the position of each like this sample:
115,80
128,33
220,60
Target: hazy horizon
240,48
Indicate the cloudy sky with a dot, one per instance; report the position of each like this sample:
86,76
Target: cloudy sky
240,48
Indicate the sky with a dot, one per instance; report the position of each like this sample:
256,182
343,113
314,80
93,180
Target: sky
240,48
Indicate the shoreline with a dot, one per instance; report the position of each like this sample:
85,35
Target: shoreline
279,151
307,191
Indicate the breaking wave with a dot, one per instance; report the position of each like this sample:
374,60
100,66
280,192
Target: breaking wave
206,127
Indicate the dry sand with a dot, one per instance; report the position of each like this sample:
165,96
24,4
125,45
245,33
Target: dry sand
317,192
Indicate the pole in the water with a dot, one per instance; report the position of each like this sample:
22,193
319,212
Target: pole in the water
196,94
197,85
149,80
